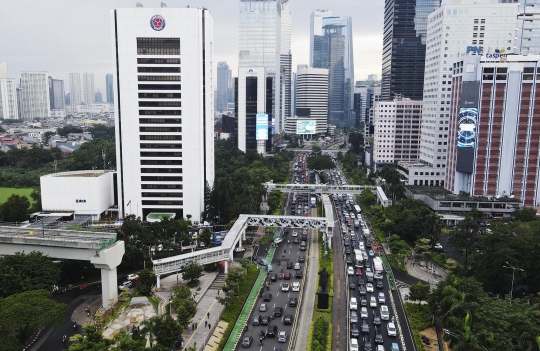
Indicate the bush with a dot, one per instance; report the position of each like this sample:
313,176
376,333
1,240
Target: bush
438,258
419,319
320,331
265,240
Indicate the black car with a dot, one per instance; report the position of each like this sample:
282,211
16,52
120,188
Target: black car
363,301
278,311
289,265
367,343
304,237
367,263
352,285
368,243
293,301
354,330
273,277
256,319
380,283
288,319
267,297
378,336
349,260
376,318
298,274
265,320
347,243
271,332
361,281
365,327
348,251
247,341
363,290
301,259
295,240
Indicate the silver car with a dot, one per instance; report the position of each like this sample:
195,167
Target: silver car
263,307
282,336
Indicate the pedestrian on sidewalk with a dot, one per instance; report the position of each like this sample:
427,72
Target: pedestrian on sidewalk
208,314
196,325
205,324
209,326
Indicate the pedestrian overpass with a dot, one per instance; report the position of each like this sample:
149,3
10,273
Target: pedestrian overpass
101,249
237,234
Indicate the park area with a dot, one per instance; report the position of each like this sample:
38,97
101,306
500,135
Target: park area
5,193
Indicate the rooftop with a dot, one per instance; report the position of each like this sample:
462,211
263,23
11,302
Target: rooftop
439,193
89,173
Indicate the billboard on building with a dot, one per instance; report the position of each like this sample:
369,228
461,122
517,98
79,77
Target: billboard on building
305,127
261,126
467,124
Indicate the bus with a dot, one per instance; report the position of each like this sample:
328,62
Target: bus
358,259
357,209
313,201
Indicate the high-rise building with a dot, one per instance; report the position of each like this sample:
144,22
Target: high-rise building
528,25
19,101
165,154
334,51
56,94
460,28
3,70
98,96
316,33
223,91
286,63
494,127
369,126
259,65
110,88
35,95
404,47
75,95
311,98
362,104
88,89
397,131
8,99
372,77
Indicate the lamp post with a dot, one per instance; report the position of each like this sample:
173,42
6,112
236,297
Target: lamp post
513,274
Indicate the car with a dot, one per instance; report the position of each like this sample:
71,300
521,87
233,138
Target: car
379,283
352,285
301,259
369,287
378,336
288,319
287,276
368,243
294,234
350,271
376,318
278,311
273,277
362,289
278,240
353,317
126,284
298,274
262,262
282,336
354,344
378,275
239,249
269,268
348,251
358,271
373,302
285,287
382,298
303,246
391,329
380,348
246,342
295,241
267,297
271,331
353,304
289,265
354,330
297,266
367,263
364,313
347,243
263,307
257,319
265,320
293,301
367,343
363,301
385,314
371,253
365,327
349,260
361,281
132,277
394,347
296,286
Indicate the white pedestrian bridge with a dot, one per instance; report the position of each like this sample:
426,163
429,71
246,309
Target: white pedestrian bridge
237,234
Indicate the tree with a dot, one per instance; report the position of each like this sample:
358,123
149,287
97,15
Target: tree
36,196
23,272
47,136
367,198
147,279
185,310
465,237
419,292
320,162
167,331
525,214
206,236
92,340
274,201
29,311
15,209
230,289
191,272
67,129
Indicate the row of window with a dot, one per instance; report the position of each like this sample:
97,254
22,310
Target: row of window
162,194
160,137
160,112
160,129
161,179
160,96
158,69
160,146
163,202
160,120
158,46
158,78
161,170
158,61
160,154
161,162
160,86
160,104
162,186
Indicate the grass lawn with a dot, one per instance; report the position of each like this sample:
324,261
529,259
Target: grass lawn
7,192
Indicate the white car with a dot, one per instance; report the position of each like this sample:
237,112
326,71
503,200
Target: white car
385,315
382,298
296,286
364,313
277,240
391,328
380,348
369,287
353,305
132,277
239,249
124,285
297,266
350,271
282,336
354,344
263,307
294,234
373,302
285,287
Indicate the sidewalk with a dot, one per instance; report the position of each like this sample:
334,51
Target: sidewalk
419,270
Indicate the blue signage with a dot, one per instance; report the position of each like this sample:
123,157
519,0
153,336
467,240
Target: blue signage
261,126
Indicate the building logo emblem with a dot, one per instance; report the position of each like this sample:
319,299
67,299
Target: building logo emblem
157,22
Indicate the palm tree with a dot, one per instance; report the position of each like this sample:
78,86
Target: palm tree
149,327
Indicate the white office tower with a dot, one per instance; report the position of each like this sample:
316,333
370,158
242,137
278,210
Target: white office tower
311,100
286,63
35,95
457,28
316,29
89,89
75,96
259,36
165,109
3,70
528,27
8,99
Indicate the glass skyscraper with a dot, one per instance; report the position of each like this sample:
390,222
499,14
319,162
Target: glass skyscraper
109,86
404,47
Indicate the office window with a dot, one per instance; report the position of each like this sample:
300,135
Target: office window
160,121
146,194
161,146
159,78
161,170
160,154
161,162
162,202
160,104
160,112
158,46
162,186
158,69
160,129
160,86
161,179
158,61
160,137
160,96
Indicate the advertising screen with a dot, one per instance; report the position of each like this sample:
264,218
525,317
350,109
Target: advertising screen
467,124
467,127
261,126
305,127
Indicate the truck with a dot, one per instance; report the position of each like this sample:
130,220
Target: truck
377,265
358,258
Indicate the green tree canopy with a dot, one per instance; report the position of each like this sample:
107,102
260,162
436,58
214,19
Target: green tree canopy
147,279
192,271
320,162
419,292
15,209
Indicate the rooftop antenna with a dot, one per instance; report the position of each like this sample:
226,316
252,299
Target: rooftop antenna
163,4
139,4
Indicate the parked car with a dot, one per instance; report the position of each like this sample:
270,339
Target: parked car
127,284
132,277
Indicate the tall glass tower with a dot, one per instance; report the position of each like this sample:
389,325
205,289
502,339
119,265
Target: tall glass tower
404,47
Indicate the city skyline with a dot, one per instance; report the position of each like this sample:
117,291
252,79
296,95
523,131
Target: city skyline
90,51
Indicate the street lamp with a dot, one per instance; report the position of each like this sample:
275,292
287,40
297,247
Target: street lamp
513,274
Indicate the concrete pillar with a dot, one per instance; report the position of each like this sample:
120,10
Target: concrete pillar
226,267
158,284
107,260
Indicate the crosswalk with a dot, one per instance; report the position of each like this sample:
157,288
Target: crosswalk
401,285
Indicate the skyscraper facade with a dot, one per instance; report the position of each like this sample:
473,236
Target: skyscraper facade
404,47
3,70
8,99
89,89
316,33
285,62
98,96
75,96
35,95
56,94
110,88
165,148
528,25
224,87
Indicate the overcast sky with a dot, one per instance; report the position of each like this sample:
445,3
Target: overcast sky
64,36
